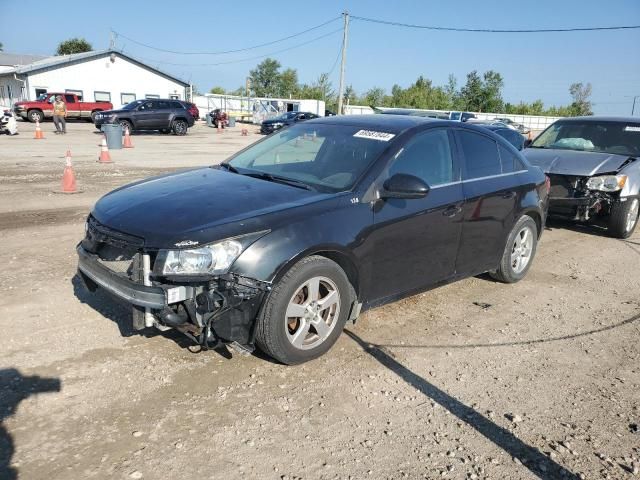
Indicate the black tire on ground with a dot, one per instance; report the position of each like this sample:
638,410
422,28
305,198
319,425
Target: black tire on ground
509,271
92,118
35,115
126,124
272,334
621,219
180,127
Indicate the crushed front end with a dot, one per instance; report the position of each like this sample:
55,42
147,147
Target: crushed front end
211,310
570,197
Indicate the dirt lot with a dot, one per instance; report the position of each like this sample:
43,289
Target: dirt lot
474,380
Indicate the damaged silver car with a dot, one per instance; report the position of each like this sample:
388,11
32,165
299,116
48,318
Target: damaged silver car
593,166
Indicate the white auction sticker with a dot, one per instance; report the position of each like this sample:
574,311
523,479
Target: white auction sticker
373,135
630,128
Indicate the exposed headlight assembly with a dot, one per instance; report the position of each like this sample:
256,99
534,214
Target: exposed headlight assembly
212,259
607,183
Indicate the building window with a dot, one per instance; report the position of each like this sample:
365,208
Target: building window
151,95
102,96
78,93
127,98
173,96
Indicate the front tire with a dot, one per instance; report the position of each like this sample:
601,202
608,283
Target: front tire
305,312
518,252
624,218
35,116
126,124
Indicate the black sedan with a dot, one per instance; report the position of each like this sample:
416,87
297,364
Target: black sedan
289,118
296,235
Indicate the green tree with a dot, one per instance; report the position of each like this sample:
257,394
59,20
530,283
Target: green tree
581,95
288,83
470,96
1,47
492,92
374,97
73,45
265,78
217,90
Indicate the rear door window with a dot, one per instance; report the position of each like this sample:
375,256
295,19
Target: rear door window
427,156
480,154
70,99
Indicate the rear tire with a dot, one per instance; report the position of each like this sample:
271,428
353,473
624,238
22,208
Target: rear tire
518,252
623,218
180,127
305,312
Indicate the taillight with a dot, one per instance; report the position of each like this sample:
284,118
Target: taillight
547,183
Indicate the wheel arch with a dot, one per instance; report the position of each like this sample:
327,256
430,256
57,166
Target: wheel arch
535,215
337,255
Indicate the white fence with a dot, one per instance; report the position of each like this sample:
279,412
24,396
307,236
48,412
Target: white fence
255,109
534,122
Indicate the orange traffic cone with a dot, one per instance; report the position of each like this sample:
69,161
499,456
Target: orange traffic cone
104,152
127,139
69,177
38,135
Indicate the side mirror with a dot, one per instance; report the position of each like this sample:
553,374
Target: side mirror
406,186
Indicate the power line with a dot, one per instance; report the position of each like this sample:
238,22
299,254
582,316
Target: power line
493,30
243,59
228,51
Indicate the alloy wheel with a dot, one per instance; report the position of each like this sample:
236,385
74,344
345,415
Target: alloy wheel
522,249
632,215
312,313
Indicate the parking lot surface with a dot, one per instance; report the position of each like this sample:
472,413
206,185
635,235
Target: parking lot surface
477,379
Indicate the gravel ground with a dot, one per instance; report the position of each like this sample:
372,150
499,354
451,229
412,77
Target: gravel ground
473,380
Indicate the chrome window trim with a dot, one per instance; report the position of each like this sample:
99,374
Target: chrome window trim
477,179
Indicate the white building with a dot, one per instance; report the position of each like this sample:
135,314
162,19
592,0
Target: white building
256,109
105,75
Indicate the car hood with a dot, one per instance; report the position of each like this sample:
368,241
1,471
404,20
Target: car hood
201,206
574,162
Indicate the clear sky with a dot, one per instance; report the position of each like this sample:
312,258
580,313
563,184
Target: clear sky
533,65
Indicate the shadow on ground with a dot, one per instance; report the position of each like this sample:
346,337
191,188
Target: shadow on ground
531,458
114,309
15,387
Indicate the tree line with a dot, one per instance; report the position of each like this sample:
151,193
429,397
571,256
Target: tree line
480,93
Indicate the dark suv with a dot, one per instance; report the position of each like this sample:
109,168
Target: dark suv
150,114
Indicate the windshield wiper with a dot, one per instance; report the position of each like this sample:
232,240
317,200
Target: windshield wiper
229,167
275,178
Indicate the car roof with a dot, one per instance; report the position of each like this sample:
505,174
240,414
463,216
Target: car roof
387,123
596,118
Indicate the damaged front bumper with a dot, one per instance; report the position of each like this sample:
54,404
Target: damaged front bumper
569,198
210,312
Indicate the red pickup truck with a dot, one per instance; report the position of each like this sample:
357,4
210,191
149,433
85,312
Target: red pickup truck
42,107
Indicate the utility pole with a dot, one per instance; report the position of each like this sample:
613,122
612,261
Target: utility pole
633,108
345,36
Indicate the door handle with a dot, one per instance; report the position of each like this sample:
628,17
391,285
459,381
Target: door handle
507,195
451,211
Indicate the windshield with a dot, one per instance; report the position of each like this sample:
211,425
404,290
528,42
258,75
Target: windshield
329,158
132,105
286,116
622,138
